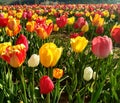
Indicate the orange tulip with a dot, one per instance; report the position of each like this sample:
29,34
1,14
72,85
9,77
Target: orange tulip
97,20
12,24
30,26
14,32
57,73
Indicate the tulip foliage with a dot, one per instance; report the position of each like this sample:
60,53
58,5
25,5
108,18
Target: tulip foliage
64,53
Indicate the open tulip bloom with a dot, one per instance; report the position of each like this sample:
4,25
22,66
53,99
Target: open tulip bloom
14,55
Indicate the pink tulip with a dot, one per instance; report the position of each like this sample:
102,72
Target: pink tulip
102,46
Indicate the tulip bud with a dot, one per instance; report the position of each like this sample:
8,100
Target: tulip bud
46,85
34,60
88,73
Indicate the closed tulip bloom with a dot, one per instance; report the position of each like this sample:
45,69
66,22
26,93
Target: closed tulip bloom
79,23
14,55
78,44
46,85
13,32
97,20
3,22
85,27
30,26
88,73
50,54
34,60
55,28
102,46
70,20
99,29
12,24
115,33
57,73
61,21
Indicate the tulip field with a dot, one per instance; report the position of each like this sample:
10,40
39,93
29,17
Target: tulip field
64,53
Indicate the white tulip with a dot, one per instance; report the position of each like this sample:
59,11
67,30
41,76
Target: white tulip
34,60
88,73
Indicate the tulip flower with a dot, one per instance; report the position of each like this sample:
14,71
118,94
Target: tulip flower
57,73
13,24
3,47
115,33
102,46
70,20
22,40
55,28
14,55
99,29
88,74
61,21
3,22
13,33
74,35
44,31
50,54
30,26
46,85
79,23
97,20
34,60
78,44
85,27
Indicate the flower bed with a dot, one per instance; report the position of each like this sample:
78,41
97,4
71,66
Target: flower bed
60,53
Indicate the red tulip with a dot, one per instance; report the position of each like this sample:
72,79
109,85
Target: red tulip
102,46
14,55
61,21
46,85
100,30
74,35
44,31
115,33
22,40
3,22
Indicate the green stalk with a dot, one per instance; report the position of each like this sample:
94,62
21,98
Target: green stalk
48,98
23,84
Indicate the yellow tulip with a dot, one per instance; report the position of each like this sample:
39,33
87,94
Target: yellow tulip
30,26
49,54
3,47
70,20
112,16
78,44
106,13
85,28
56,28
48,21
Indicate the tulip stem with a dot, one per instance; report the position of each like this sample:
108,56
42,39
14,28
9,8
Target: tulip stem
48,98
23,84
